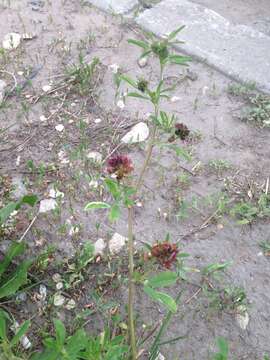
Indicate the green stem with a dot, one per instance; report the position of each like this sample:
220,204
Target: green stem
132,334
131,326
155,347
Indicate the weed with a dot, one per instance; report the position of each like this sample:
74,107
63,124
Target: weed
82,76
219,166
265,246
223,350
257,110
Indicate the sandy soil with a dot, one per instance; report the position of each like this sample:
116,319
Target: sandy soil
64,29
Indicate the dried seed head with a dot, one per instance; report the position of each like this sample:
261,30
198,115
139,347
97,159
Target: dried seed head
182,131
120,165
165,253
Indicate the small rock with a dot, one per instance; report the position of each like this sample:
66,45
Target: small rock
94,156
46,88
120,104
175,99
11,41
42,118
70,304
19,187
59,127
242,317
138,133
93,184
58,300
3,86
42,292
47,205
59,286
142,62
97,121
54,194
99,247
116,243
114,68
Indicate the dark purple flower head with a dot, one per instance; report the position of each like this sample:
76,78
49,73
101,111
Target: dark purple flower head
165,253
120,165
182,131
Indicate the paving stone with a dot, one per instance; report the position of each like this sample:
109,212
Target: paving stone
236,50
115,6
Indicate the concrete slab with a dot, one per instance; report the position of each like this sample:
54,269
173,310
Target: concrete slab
115,6
237,50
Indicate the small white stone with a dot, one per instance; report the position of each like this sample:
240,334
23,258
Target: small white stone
42,118
97,121
46,88
138,133
3,85
47,205
42,292
120,104
59,286
116,243
54,194
58,300
242,317
175,99
70,304
99,247
11,41
18,160
20,73
114,68
93,184
142,62
59,127
94,156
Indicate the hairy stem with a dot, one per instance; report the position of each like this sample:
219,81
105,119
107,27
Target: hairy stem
151,143
131,326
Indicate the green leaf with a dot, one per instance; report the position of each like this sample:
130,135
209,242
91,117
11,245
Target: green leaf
21,332
76,343
163,298
179,60
3,328
16,280
140,43
113,187
130,81
216,267
97,205
60,333
223,346
173,34
29,199
114,213
6,211
137,95
166,278
14,250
